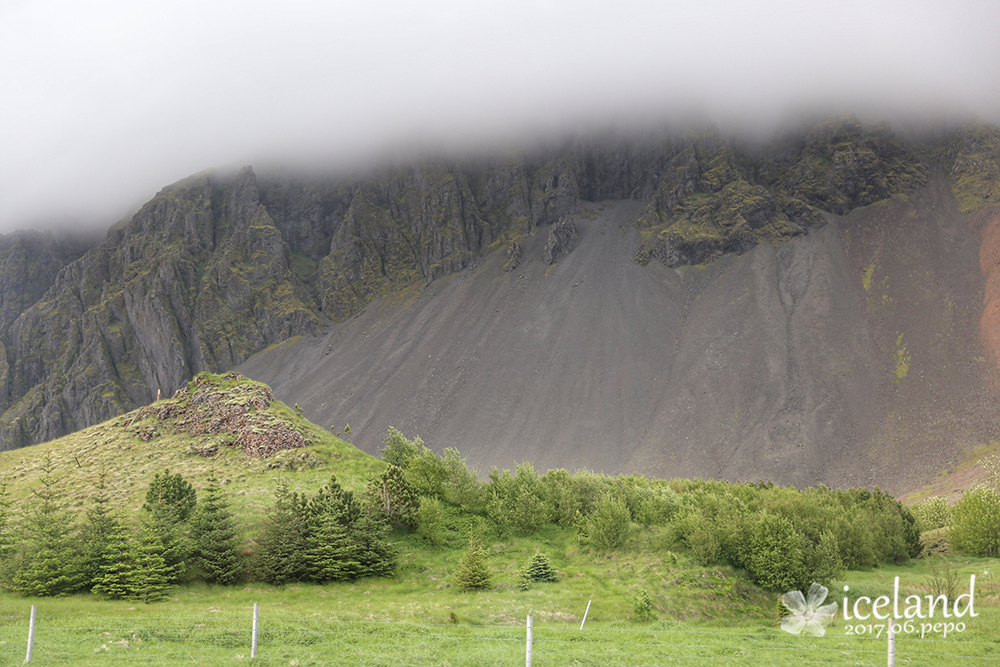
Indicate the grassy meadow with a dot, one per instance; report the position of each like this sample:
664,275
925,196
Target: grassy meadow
417,618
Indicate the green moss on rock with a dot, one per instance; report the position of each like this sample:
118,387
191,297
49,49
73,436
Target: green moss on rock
844,165
973,163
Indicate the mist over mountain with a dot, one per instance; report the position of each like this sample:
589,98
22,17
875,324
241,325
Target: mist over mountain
105,102
818,307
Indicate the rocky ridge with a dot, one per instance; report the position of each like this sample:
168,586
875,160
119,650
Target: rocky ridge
219,266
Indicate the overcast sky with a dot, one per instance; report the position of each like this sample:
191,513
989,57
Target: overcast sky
102,103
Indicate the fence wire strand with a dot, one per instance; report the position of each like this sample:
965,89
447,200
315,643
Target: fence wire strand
225,640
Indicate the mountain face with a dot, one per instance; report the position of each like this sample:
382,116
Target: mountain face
809,309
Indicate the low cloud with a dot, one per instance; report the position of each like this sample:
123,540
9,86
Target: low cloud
106,102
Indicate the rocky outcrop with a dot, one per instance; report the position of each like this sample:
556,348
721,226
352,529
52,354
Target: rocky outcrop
198,280
513,256
714,200
972,158
844,165
555,191
563,239
402,227
230,406
29,262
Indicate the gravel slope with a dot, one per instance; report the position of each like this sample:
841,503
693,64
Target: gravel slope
781,364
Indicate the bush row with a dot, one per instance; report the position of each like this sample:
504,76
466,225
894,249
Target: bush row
783,537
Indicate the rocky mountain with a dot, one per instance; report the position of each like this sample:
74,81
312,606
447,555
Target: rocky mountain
805,309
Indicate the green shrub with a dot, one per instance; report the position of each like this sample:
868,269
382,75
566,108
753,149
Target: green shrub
976,529
657,506
704,544
430,521
775,560
932,513
821,561
515,503
393,498
642,607
461,485
610,524
399,450
425,471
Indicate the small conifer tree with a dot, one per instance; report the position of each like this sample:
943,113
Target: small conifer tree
96,532
170,495
133,567
377,557
540,569
7,540
154,576
49,563
279,556
537,569
215,537
331,554
116,576
473,573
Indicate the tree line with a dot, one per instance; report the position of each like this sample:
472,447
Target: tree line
179,537
972,524
784,538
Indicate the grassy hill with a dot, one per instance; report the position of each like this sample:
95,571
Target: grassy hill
218,425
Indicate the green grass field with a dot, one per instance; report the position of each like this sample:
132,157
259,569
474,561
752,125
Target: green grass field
700,615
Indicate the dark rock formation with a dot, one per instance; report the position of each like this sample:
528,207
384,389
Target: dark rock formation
513,256
29,262
563,239
198,280
713,200
972,158
843,166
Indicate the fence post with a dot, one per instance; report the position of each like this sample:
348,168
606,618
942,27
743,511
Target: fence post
892,644
585,615
527,658
31,633
253,635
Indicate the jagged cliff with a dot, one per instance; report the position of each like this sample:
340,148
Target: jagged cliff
199,279
218,267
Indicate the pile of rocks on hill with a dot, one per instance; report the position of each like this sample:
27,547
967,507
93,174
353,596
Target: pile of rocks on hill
230,405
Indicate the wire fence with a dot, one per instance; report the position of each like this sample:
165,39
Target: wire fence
213,639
